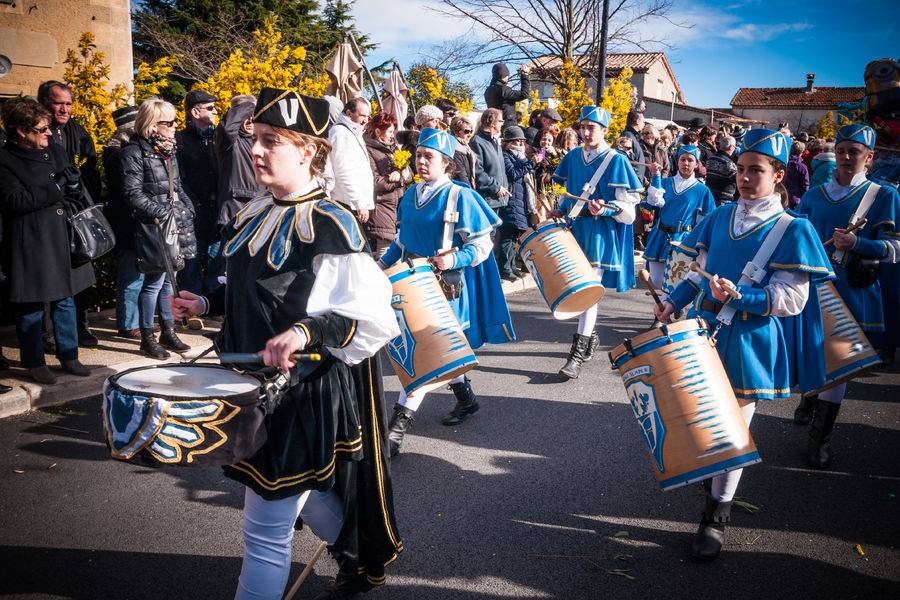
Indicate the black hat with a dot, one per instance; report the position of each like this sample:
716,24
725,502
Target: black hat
696,123
512,133
289,110
197,97
499,71
124,116
552,113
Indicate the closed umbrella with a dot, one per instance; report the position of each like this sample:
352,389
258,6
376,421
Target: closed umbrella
344,71
394,99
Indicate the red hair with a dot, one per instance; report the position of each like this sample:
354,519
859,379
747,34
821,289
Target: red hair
381,121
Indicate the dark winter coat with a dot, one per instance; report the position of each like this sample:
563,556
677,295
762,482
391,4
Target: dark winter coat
382,222
117,211
500,95
237,181
637,150
199,170
78,146
515,213
490,170
721,177
465,165
36,231
146,189
796,179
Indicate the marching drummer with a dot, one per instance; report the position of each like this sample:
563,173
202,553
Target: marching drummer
298,278
752,240
481,306
602,224
850,197
682,201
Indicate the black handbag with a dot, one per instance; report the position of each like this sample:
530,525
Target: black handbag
862,272
90,235
452,283
148,237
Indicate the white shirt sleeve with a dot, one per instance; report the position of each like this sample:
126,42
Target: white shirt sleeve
655,196
627,201
893,251
482,245
789,291
353,286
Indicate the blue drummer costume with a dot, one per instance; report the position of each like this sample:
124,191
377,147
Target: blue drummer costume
481,307
752,344
607,238
834,206
682,204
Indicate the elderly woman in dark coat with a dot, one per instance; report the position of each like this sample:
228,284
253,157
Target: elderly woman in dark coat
148,163
381,228
38,189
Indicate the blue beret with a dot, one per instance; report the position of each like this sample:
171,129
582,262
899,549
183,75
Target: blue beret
769,142
438,140
594,114
862,134
689,149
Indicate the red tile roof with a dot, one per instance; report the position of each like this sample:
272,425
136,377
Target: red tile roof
823,97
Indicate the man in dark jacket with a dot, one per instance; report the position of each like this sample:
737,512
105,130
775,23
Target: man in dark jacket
499,95
68,134
721,171
199,176
490,170
633,126
233,140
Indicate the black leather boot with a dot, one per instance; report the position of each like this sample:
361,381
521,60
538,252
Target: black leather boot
466,403
818,449
397,427
577,355
805,410
86,339
348,583
168,339
150,347
711,534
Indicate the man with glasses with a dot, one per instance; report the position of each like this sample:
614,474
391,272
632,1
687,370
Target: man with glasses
198,168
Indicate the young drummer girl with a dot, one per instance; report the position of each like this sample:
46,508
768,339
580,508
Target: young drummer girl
481,309
752,346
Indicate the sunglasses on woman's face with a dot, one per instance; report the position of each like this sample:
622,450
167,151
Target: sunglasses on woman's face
167,123
43,129
468,131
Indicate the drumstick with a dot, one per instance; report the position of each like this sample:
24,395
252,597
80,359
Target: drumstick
644,275
202,354
248,358
696,268
306,571
855,227
583,199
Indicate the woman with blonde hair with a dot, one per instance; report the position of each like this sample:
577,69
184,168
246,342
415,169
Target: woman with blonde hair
567,140
152,190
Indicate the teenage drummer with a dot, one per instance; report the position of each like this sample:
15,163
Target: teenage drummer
299,278
856,256
602,225
682,201
481,308
752,346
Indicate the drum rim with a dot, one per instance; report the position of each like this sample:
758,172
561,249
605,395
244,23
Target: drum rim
631,347
543,226
113,382
402,266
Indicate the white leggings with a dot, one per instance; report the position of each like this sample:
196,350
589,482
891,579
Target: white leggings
268,531
835,395
725,485
588,318
414,401
657,274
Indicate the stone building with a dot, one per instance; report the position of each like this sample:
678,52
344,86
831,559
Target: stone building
35,35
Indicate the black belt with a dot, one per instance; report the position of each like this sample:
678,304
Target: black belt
672,230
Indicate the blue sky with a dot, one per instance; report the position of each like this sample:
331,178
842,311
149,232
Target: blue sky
731,43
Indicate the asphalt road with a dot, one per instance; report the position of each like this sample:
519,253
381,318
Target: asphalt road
546,493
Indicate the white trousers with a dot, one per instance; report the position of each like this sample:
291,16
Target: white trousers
268,531
657,275
588,318
414,401
724,486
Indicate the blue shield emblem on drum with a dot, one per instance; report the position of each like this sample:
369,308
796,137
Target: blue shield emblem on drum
643,404
403,347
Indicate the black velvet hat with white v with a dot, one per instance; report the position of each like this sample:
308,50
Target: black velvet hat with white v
289,110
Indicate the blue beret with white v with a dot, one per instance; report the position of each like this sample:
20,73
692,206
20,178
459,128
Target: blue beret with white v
438,140
689,149
862,134
769,142
594,114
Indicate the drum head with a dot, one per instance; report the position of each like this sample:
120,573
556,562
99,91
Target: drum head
187,381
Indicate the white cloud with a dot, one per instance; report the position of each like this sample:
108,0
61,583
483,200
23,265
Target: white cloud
759,32
397,25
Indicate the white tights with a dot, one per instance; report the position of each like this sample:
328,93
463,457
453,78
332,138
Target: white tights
834,395
414,401
268,531
725,485
588,318
657,275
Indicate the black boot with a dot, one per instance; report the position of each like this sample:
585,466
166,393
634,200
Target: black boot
592,346
168,339
397,427
349,583
86,339
150,347
805,410
466,403
577,355
818,449
711,534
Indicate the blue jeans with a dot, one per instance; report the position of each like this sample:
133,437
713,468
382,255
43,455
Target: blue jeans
201,273
29,329
129,282
156,288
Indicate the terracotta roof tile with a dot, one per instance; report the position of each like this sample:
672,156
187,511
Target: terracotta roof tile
826,97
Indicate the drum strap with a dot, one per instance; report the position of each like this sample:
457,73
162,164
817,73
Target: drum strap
755,270
865,204
451,218
591,185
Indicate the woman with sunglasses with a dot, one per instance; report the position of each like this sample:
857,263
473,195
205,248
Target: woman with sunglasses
464,160
148,165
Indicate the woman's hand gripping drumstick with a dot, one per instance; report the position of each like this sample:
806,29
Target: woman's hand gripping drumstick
720,287
279,349
844,235
594,206
186,304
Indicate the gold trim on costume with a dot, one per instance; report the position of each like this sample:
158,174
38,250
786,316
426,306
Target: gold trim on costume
346,342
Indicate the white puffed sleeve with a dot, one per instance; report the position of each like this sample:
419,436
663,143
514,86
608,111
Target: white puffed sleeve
627,202
655,196
789,291
352,285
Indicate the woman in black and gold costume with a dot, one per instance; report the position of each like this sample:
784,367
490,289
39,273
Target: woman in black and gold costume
299,279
